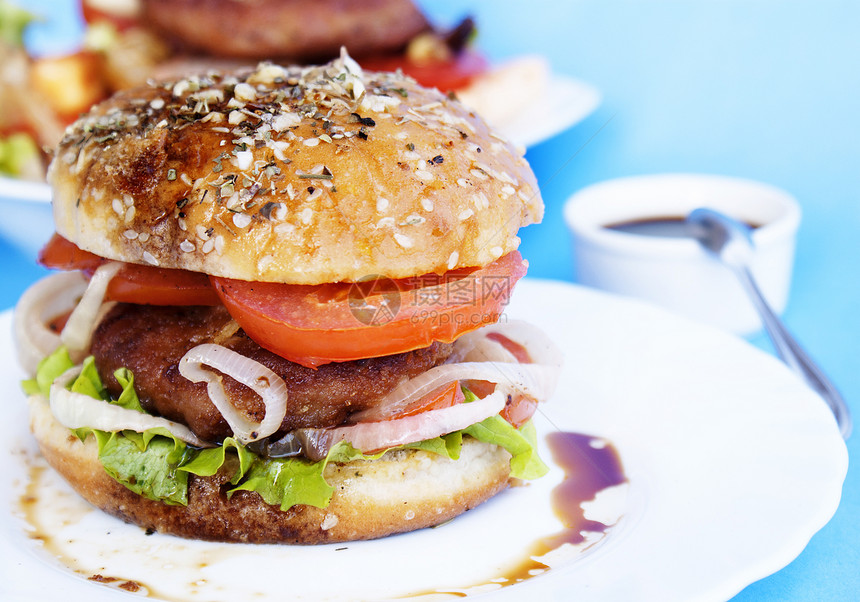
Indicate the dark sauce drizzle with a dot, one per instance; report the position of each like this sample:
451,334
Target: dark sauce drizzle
590,465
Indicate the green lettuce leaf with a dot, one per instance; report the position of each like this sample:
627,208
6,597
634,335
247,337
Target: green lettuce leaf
286,482
128,398
206,462
50,368
151,472
447,445
521,443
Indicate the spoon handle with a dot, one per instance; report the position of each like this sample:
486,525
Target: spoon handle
790,351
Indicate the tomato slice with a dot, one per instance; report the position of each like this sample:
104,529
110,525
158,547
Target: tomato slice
443,397
94,12
445,75
314,325
518,410
142,284
147,285
62,254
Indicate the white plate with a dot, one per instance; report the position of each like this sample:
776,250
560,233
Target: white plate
24,190
732,465
26,208
566,102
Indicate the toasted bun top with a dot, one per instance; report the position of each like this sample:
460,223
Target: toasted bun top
296,175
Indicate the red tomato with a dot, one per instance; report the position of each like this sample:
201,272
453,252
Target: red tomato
518,410
314,325
445,75
121,19
61,254
134,283
443,397
149,285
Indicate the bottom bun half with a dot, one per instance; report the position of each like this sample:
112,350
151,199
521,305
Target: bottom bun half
401,491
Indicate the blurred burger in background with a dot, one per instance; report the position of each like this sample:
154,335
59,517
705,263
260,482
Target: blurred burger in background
128,42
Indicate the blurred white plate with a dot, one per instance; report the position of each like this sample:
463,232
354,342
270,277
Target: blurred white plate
732,465
26,209
566,102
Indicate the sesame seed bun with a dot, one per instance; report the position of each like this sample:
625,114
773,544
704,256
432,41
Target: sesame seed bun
401,491
302,176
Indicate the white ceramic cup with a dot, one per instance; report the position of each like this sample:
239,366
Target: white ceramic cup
676,272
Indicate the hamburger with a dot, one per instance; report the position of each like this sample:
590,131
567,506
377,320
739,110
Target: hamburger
277,312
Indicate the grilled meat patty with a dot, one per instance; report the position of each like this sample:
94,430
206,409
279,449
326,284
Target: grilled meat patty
150,341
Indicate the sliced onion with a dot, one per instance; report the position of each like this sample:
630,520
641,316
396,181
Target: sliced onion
536,380
541,349
83,321
372,436
75,410
250,373
47,299
531,380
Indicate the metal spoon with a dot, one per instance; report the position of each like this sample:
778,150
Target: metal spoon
729,241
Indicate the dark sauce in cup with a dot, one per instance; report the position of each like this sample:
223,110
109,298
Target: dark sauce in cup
663,227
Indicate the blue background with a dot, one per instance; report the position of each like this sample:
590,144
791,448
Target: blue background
762,89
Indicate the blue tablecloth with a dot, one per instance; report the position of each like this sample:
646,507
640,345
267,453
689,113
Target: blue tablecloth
766,90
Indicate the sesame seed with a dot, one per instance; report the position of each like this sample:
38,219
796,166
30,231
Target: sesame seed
381,205
187,246
328,522
201,232
465,214
479,174
245,92
244,159
307,215
148,258
414,220
508,190
463,182
143,237
453,259
157,103
424,175
208,246
241,220
283,121
182,225
130,234
219,244
311,142
186,179
129,214
427,205
496,252
117,206
403,240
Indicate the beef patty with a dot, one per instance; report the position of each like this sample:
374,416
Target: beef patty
150,341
